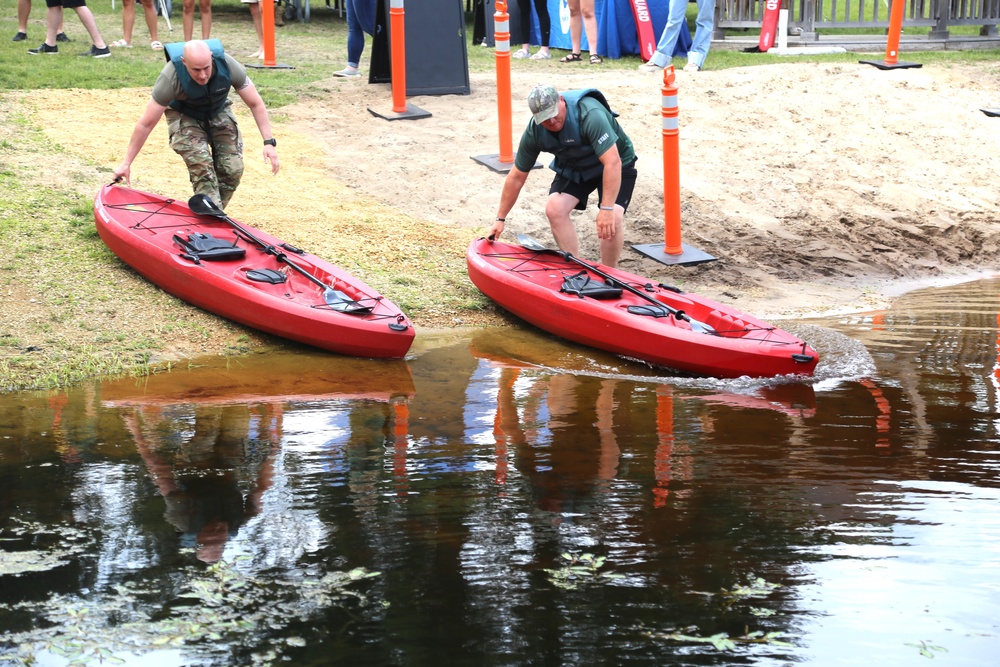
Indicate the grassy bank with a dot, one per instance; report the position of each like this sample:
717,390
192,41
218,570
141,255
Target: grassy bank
72,310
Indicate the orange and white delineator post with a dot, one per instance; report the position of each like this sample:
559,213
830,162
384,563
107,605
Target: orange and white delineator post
504,113
663,459
267,26
397,54
270,51
673,251
671,163
400,438
892,44
503,161
397,47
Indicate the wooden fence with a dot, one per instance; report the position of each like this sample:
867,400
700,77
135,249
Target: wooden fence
807,18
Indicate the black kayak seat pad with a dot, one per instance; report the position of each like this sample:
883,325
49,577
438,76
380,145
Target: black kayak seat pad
205,246
582,285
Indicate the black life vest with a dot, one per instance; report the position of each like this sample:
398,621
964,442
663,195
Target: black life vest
574,159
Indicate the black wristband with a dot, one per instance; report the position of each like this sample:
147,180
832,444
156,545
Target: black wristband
501,219
271,142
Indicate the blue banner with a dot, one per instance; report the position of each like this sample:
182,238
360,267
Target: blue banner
616,33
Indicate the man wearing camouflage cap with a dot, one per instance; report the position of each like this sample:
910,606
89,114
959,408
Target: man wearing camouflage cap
591,153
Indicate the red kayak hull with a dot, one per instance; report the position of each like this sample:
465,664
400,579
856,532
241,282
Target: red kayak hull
527,283
140,227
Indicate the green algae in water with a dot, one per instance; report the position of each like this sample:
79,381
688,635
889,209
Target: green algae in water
218,609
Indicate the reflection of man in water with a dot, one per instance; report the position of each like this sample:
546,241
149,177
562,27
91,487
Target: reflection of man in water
217,477
567,447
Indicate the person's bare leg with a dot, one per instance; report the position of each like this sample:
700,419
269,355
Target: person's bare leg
187,19
23,12
575,25
589,24
258,24
128,20
149,10
87,19
206,18
53,19
557,210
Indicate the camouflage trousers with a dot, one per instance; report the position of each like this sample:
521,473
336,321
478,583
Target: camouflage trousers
214,158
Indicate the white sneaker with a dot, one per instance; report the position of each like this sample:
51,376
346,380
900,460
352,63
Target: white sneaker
521,53
692,67
649,68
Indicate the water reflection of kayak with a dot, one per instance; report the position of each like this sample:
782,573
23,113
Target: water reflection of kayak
794,400
521,350
283,376
246,275
633,317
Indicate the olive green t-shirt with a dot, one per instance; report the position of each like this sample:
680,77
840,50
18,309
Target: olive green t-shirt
598,127
168,87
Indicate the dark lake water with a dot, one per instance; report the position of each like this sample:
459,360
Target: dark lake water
504,498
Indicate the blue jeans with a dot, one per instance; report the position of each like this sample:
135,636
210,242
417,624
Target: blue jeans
704,25
360,20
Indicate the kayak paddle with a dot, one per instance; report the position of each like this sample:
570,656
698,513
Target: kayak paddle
202,204
531,244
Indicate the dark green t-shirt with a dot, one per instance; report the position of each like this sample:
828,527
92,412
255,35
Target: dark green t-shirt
598,128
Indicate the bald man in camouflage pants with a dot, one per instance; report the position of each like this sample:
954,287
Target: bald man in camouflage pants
193,92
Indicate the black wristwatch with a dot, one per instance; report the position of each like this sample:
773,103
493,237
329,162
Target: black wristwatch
271,142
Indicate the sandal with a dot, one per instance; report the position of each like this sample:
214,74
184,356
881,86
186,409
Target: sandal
156,45
595,59
120,43
570,58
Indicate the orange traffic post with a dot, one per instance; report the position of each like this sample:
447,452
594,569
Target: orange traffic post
502,36
270,59
400,437
892,45
671,164
884,419
397,54
502,162
663,459
673,251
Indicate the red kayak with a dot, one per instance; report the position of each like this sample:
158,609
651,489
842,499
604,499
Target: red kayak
243,274
632,316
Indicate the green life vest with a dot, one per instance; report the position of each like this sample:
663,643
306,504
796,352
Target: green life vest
206,101
574,159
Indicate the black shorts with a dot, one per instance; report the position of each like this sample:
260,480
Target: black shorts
582,190
66,4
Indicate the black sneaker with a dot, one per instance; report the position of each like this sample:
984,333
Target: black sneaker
44,49
63,37
96,52
20,37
